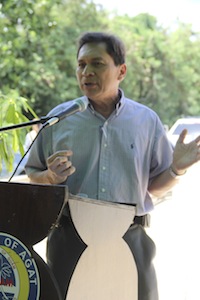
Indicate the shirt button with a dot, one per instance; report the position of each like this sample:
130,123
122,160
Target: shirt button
103,190
105,145
103,168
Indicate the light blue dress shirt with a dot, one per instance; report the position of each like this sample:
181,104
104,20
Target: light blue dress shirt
115,158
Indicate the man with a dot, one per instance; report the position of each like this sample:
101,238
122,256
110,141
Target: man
116,150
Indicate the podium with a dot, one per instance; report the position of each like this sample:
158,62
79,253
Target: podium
88,254
27,212
106,269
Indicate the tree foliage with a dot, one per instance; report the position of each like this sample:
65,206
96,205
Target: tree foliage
163,72
12,112
39,43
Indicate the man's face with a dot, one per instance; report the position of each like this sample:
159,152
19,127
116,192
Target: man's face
96,72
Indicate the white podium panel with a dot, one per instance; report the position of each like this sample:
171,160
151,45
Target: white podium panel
106,269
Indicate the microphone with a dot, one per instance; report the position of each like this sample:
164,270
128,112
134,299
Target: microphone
78,105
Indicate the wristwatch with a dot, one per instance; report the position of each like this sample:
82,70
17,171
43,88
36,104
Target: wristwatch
174,174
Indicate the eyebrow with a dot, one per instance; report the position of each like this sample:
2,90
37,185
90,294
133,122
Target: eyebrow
93,59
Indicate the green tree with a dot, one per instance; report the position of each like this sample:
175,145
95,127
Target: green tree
163,72
12,112
39,43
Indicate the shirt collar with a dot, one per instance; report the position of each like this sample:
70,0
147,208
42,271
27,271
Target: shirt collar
120,103
118,106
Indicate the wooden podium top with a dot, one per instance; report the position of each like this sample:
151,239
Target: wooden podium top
28,211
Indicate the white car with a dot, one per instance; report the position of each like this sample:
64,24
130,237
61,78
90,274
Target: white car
192,124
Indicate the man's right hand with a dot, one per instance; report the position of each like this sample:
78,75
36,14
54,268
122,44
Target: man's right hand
59,166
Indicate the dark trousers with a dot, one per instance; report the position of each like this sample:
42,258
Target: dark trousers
65,247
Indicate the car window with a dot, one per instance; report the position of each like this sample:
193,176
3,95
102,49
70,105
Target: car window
193,129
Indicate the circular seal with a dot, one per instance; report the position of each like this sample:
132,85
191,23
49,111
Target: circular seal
19,276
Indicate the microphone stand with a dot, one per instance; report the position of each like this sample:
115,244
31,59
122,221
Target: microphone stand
45,121
42,120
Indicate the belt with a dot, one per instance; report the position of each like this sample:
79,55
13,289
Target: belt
143,220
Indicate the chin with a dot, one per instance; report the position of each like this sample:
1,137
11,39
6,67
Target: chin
91,95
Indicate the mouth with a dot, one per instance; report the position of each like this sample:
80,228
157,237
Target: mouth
89,84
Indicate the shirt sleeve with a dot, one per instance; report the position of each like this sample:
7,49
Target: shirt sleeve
162,153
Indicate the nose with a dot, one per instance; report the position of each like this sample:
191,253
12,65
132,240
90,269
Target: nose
88,71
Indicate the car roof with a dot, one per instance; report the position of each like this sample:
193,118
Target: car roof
190,123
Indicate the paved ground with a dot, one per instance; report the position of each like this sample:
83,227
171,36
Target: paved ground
175,230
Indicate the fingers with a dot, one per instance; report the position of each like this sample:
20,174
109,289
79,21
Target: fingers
65,172
59,155
182,136
197,140
59,166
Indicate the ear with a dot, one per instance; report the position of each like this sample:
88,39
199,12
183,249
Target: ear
122,72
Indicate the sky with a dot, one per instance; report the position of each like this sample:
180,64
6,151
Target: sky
167,12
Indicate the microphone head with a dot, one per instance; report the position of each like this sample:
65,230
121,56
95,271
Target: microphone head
82,103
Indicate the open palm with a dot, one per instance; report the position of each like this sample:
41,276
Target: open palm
185,155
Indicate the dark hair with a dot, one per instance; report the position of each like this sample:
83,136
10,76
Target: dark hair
114,46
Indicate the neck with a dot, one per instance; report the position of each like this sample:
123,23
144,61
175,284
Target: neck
106,107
